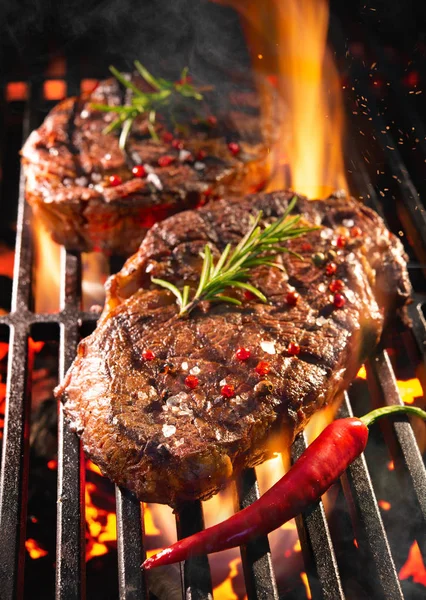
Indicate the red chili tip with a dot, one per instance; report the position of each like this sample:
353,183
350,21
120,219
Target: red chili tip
191,381
339,301
355,232
330,269
115,180
293,348
341,241
262,368
248,295
337,285
165,161
243,353
292,298
178,144
306,247
139,171
148,355
234,148
228,391
211,120
167,137
201,155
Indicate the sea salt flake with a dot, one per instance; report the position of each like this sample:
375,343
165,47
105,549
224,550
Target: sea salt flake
320,321
149,268
195,370
168,430
199,166
184,366
223,382
148,168
84,114
155,180
53,151
348,222
268,347
82,181
326,234
321,288
184,155
107,156
179,442
350,295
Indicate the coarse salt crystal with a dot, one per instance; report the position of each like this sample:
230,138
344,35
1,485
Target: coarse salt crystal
184,155
195,370
320,321
268,347
223,382
168,430
81,181
184,366
155,180
107,156
199,166
326,234
321,288
84,114
348,222
149,268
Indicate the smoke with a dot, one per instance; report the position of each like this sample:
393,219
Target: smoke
165,35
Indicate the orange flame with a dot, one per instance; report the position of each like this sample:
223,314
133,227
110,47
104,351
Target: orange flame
306,584
287,41
47,262
414,566
34,550
101,525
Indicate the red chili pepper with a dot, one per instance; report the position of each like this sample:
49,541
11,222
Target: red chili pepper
324,461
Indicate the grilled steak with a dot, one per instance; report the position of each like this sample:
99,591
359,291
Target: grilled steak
126,395
68,163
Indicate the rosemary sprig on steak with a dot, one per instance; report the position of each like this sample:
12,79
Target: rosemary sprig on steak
232,270
168,95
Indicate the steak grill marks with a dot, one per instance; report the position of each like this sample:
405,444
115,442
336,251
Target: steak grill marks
317,546
179,439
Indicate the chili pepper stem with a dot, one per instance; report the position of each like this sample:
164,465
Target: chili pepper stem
384,411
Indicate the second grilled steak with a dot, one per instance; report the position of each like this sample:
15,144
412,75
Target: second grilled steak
68,163
256,370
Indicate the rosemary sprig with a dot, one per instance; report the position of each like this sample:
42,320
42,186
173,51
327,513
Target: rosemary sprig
168,95
232,270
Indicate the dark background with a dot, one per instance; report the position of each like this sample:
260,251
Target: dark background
195,32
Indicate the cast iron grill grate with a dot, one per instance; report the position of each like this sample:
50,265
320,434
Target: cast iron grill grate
321,563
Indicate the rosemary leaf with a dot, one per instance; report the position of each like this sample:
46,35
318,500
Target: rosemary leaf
169,286
256,248
167,95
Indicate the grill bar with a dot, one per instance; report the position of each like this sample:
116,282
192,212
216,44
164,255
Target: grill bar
70,543
368,523
131,553
196,571
256,556
15,451
317,547
380,370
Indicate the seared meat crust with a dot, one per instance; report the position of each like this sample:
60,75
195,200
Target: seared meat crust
68,161
168,443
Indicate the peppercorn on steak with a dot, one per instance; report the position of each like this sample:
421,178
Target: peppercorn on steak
92,195
172,407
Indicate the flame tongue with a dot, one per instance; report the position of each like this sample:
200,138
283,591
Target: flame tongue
288,45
